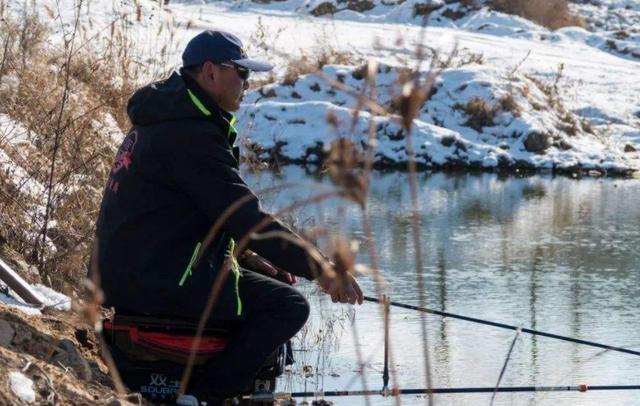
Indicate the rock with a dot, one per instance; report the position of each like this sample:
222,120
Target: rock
68,355
537,142
629,148
6,333
422,9
447,140
360,6
454,14
323,9
321,402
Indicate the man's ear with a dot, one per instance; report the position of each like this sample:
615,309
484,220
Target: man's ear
208,71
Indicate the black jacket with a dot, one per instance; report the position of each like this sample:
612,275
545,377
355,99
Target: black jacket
175,173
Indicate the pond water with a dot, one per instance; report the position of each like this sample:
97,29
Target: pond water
550,253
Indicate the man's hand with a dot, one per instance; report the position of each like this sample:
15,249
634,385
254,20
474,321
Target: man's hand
254,262
342,288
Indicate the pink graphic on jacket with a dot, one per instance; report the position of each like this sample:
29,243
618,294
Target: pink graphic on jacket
123,158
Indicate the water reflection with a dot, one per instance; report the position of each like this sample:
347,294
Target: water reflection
554,254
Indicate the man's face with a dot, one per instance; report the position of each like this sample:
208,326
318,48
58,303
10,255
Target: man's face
226,86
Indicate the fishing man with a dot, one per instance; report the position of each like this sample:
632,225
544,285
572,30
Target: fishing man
174,176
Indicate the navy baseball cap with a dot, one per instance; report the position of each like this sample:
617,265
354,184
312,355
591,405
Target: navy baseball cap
217,47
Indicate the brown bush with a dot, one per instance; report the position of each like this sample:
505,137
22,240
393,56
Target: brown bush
324,9
552,14
310,64
420,9
68,154
508,103
480,113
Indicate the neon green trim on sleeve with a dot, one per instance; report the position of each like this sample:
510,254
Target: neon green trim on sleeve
198,103
235,268
188,271
232,133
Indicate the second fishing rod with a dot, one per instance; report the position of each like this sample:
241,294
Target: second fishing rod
507,326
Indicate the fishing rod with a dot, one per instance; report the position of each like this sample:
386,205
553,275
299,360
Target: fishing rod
480,389
506,326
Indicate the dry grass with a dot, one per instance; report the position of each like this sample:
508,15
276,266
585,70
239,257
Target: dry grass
311,64
508,103
67,154
552,14
456,59
480,113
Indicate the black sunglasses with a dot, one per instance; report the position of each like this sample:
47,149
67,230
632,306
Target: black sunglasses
242,71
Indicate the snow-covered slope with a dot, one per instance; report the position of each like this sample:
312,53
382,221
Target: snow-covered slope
562,99
477,116
576,96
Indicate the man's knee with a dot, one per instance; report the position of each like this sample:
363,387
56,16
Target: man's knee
300,310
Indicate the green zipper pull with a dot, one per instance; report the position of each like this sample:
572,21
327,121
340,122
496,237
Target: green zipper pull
188,271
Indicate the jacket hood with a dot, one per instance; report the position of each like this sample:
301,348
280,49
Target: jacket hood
172,99
166,100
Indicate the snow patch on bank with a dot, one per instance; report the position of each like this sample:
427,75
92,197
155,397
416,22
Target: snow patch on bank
53,299
49,297
17,304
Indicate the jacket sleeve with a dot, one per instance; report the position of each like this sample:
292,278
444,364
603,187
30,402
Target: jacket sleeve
206,172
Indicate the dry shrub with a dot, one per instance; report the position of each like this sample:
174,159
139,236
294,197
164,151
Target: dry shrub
297,68
469,3
311,64
326,7
480,113
456,59
552,14
66,102
421,9
550,88
508,103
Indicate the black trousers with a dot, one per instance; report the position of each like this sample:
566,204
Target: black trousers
275,312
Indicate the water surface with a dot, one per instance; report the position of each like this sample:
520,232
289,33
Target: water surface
549,253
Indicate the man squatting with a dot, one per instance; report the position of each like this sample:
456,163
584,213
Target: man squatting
175,174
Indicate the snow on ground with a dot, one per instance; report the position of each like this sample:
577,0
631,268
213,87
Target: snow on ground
22,387
16,166
15,146
49,297
53,299
595,123
25,308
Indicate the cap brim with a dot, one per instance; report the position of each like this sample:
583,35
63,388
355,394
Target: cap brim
254,65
